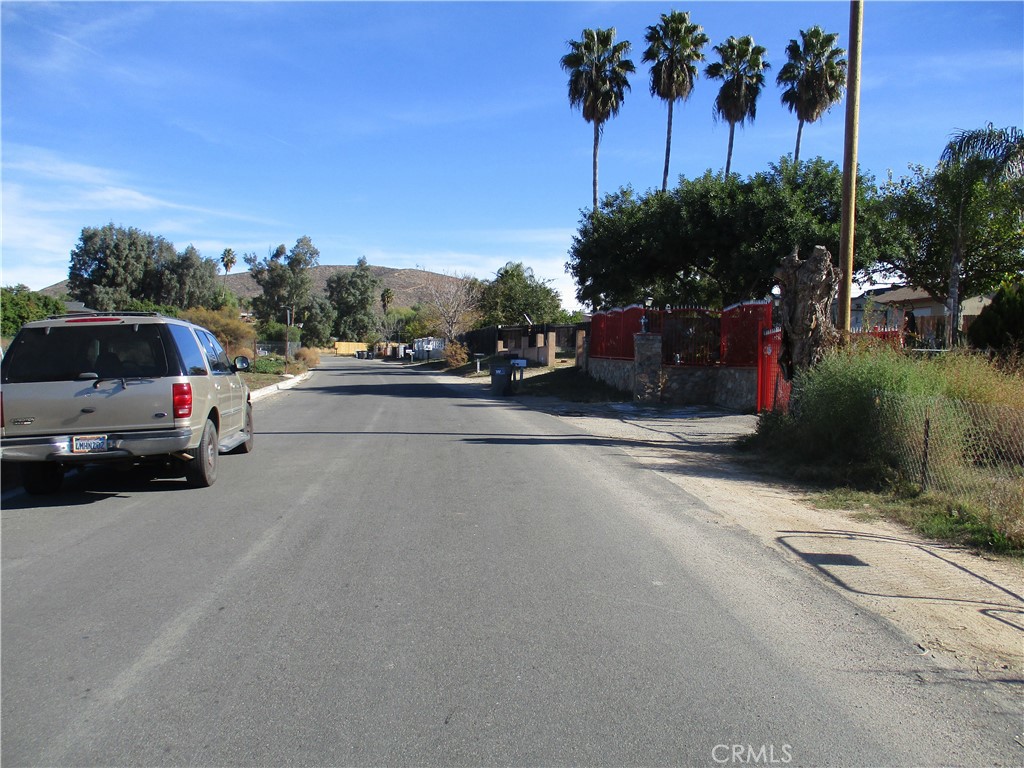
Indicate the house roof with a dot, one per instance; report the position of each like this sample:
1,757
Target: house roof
903,294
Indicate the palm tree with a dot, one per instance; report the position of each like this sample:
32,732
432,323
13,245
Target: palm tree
387,296
1002,147
813,79
983,156
674,48
741,71
598,79
228,260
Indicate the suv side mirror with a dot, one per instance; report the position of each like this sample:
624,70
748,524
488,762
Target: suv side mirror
241,363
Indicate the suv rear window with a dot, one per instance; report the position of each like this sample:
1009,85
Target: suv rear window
63,353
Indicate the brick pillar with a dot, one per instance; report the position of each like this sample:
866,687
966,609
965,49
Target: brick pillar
647,367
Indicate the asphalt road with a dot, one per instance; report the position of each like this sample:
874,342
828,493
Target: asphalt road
409,573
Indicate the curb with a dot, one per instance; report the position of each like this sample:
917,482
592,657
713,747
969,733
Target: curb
262,392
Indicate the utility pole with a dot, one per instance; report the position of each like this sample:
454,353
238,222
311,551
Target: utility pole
849,216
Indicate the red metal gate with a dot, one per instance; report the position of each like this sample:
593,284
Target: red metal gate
772,388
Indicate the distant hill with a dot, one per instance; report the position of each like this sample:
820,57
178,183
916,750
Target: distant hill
408,285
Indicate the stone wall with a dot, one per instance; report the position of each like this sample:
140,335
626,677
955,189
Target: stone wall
652,382
614,373
736,389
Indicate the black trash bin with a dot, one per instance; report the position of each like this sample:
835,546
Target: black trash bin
501,378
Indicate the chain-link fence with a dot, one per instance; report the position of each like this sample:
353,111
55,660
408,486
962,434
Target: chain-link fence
285,349
970,452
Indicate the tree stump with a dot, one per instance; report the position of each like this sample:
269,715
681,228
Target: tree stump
808,290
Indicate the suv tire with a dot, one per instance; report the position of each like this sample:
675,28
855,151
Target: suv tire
201,471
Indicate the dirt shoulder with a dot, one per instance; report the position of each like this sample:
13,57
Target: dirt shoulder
965,607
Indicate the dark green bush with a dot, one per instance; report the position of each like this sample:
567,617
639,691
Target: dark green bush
269,364
1000,326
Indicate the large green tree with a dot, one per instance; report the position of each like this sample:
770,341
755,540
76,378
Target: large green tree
813,79
715,240
741,71
674,47
974,162
108,266
318,319
956,232
188,281
354,296
285,279
114,268
516,296
598,80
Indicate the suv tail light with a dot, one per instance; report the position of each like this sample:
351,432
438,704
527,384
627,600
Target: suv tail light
182,401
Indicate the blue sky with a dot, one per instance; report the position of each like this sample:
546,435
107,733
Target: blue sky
436,135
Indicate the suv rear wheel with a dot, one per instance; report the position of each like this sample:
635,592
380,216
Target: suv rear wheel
201,470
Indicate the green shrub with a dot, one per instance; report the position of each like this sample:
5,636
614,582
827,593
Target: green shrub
18,306
835,415
274,331
273,364
948,429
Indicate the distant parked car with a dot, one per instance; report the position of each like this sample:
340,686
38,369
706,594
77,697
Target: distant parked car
120,387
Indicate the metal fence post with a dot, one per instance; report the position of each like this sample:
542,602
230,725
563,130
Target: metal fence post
927,436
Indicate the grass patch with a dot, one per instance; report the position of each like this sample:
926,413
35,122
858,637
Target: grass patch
259,380
930,515
273,369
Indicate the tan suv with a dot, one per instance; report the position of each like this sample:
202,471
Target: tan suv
120,387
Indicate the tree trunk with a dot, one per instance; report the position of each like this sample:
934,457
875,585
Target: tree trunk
728,156
597,140
799,133
956,263
808,288
668,147
953,304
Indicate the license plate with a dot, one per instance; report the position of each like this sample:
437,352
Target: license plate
88,443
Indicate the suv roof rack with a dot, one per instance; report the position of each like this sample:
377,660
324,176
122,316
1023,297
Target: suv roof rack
97,313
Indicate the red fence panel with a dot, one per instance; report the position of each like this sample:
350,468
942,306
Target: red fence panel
742,326
632,323
614,326
690,336
611,332
598,334
773,391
